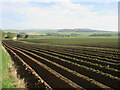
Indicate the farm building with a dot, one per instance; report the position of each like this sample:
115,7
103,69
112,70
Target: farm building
15,38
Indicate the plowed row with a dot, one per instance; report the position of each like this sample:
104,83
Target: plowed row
68,68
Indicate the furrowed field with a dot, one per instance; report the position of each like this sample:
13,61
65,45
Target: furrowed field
84,62
54,45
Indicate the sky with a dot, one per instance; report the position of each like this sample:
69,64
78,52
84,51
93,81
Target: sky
59,14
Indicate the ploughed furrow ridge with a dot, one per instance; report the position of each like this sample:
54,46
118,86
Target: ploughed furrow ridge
85,58
95,75
54,79
101,68
78,78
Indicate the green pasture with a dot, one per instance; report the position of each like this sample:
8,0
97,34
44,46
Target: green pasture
109,42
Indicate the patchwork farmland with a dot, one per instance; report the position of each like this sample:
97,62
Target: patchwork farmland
62,66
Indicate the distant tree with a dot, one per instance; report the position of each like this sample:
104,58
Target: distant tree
22,33
104,34
20,36
10,35
3,35
26,36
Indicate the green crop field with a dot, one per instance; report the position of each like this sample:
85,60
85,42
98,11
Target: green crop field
109,42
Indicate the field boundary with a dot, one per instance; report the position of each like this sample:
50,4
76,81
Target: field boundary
12,73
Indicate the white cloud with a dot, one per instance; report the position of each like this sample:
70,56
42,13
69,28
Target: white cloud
59,15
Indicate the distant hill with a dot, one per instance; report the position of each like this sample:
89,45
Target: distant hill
79,30
72,32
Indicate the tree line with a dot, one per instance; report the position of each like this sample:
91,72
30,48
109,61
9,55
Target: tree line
10,35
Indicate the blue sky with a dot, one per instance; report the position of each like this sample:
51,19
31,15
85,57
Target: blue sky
55,15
